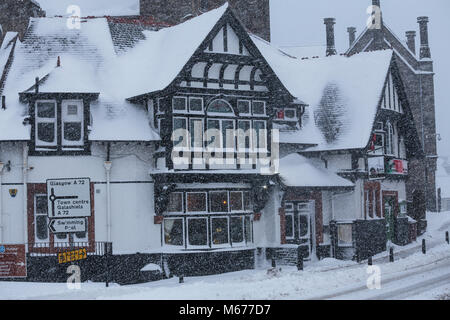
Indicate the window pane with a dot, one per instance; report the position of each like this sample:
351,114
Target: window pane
46,132
179,104
175,202
41,227
244,135
228,133
289,226
72,110
46,109
196,202
247,201
220,106
180,132
259,107
196,104
236,201
213,134
261,134
197,230
41,205
303,225
289,113
237,230
248,229
196,131
72,131
345,234
173,232
219,201
244,107
219,230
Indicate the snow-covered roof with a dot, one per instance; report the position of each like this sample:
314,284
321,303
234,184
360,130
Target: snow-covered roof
343,94
148,61
305,51
298,171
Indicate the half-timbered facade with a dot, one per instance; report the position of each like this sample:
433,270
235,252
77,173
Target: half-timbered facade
206,148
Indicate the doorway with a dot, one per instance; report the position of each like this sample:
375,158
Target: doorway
300,224
390,205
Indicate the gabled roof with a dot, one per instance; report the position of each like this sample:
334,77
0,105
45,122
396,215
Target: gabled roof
343,94
298,171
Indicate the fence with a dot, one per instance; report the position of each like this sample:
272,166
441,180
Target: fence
44,249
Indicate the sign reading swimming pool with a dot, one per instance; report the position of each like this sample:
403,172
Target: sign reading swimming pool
69,198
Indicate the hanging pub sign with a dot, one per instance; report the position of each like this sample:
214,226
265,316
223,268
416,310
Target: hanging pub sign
69,198
376,167
397,166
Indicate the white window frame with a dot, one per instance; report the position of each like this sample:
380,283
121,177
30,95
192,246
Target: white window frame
242,243
206,202
187,138
290,215
389,142
295,118
207,233
255,138
222,142
291,206
223,245
185,104
194,148
344,244
182,204
249,102
184,233
66,118
259,114
40,143
228,201
250,135
196,111
36,239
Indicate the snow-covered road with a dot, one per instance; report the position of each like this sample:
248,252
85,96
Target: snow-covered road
413,275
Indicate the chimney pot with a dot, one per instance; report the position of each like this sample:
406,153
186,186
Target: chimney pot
424,44
58,63
331,49
411,40
376,3
3,102
351,35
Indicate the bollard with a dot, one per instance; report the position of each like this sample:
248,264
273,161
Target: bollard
181,279
391,255
447,238
424,247
369,262
274,264
299,259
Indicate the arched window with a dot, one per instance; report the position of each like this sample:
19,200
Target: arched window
389,138
220,106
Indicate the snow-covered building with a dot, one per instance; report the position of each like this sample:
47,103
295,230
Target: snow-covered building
206,148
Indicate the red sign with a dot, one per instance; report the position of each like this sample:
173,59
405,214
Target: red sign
13,261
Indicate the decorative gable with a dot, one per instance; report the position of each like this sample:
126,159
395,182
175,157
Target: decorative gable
227,41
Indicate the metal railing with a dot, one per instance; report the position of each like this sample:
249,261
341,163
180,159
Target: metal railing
43,249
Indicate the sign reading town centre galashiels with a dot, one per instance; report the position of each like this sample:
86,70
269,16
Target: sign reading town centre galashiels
69,198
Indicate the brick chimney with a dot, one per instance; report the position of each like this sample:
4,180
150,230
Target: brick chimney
411,40
331,49
424,45
351,35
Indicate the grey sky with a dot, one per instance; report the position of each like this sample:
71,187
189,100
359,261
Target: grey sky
300,22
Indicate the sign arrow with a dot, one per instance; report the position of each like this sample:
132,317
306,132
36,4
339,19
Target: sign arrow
51,227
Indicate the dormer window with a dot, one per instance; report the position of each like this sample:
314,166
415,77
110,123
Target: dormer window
72,123
46,124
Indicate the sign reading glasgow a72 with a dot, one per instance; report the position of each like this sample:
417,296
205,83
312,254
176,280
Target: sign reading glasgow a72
69,198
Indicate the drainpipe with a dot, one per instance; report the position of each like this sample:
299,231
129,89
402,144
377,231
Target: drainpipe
25,196
108,164
2,228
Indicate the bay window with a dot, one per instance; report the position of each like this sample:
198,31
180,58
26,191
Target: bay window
219,230
197,231
237,229
173,232
218,201
196,202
